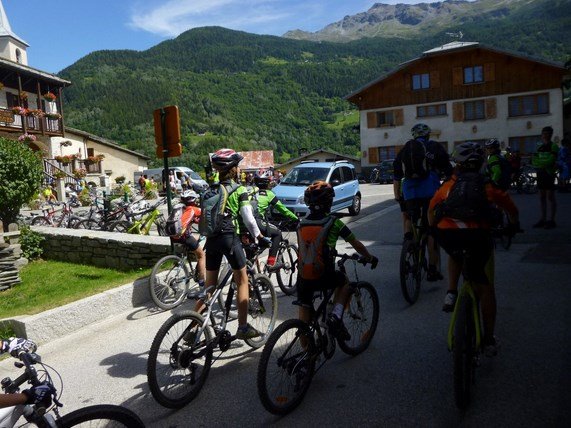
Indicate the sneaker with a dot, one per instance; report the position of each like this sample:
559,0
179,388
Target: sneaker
337,328
491,347
449,302
247,332
550,224
540,223
433,275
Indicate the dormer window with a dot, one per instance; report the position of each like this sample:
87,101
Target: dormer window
420,81
18,56
473,74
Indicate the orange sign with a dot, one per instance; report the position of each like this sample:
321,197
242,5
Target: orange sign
171,132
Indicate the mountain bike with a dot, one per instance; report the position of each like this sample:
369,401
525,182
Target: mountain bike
183,349
525,181
292,352
49,218
40,416
413,264
142,226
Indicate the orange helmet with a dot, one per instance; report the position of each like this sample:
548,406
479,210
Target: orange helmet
319,194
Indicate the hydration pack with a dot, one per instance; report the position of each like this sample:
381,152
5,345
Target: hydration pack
179,221
314,259
506,176
466,199
215,217
413,158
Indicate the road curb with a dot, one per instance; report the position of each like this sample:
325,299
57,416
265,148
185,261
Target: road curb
61,321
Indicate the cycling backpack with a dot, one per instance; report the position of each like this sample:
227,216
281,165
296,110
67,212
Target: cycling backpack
179,220
506,175
466,199
314,259
214,217
414,159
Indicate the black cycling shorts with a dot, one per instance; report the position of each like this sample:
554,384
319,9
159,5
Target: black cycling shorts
225,244
416,208
188,241
545,181
306,289
479,251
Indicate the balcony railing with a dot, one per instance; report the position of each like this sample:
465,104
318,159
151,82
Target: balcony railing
69,167
33,125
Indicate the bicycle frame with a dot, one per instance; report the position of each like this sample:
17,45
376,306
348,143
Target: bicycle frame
143,226
467,291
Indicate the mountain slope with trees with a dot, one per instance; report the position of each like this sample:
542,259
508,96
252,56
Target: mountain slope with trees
264,92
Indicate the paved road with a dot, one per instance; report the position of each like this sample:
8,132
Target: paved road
403,380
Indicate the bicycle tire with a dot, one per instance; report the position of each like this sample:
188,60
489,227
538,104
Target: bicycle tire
72,222
120,226
169,282
171,367
361,318
262,308
286,276
103,413
289,362
88,224
41,221
161,226
410,271
463,353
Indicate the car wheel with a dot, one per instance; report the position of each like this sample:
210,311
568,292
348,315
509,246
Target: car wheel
355,208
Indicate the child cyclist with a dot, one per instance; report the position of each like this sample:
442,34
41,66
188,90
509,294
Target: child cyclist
317,235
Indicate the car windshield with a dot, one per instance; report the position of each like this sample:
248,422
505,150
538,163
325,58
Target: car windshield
304,176
195,176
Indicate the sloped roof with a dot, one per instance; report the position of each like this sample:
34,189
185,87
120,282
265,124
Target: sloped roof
105,142
257,159
314,152
5,29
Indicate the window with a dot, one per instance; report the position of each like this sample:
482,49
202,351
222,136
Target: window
474,110
432,110
420,81
474,74
335,175
528,105
348,174
18,56
524,145
389,152
385,118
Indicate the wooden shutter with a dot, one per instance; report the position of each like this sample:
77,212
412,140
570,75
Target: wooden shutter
407,82
373,155
457,77
458,112
435,79
372,120
491,110
489,72
399,117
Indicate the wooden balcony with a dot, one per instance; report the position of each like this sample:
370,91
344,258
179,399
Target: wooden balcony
11,122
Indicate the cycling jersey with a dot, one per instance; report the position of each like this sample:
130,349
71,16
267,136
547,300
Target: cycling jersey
268,200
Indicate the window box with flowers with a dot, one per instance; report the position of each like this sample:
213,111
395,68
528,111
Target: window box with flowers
79,173
59,174
24,95
94,159
65,159
27,138
53,116
35,112
19,110
49,96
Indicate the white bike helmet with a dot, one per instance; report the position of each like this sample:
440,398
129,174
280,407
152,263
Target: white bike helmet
189,197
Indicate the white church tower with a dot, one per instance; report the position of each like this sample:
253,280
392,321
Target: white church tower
12,47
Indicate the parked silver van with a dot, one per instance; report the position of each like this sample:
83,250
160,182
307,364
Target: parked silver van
181,172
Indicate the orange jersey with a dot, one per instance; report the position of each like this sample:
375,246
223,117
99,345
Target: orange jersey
190,214
495,195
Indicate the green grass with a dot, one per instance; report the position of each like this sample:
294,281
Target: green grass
343,119
49,284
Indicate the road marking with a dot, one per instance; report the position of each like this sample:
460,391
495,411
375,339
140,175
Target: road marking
373,217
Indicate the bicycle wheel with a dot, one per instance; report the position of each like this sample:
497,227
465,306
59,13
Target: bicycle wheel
179,360
529,185
262,308
121,226
161,226
88,224
105,415
169,282
361,318
72,222
463,352
41,221
410,272
286,276
286,367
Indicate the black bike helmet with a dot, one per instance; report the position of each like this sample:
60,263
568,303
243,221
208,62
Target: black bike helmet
263,179
319,195
469,156
225,159
492,143
420,130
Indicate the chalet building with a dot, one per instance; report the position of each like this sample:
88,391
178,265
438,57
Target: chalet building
465,92
319,155
31,111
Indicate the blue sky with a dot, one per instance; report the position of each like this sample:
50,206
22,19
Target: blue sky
61,32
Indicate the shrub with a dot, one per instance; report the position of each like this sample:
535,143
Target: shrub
84,197
31,243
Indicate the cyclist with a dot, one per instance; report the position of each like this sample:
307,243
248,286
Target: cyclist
457,234
544,161
421,163
266,201
237,214
190,215
498,168
317,235
40,394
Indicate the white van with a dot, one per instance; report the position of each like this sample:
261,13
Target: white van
181,172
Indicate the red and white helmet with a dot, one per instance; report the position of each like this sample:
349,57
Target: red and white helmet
224,159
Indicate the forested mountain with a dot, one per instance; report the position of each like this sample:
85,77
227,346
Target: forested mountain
264,92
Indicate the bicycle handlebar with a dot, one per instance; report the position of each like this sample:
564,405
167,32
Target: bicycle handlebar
358,258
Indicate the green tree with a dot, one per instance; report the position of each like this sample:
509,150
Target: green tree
21,172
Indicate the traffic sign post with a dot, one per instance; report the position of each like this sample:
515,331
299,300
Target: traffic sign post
167,139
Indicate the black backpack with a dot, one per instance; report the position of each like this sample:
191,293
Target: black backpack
466,199
506,177
214,216
413,158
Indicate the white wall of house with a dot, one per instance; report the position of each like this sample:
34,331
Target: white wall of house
445,129
9,49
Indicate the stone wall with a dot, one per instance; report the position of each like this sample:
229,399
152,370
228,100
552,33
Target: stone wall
104,249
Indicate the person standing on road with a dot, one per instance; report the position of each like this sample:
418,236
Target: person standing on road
418,168
544,161
498,168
